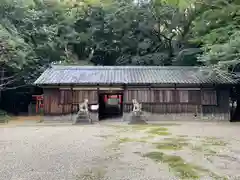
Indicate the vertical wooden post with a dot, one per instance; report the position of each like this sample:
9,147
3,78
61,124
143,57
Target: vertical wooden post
98,94
150,98
175,101
200,103
36,105
124,102
72,103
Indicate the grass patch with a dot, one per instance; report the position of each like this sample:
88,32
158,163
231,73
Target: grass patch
172,144
154,130
148,137
162,131
181,168
126,140
214,141
168,124
204,149
175,139
140,127
144,126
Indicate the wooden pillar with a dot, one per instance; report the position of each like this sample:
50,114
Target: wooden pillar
150,98
37,105
124,99
72,103
200,103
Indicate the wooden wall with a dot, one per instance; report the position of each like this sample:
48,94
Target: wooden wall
167,101
155,100
64,101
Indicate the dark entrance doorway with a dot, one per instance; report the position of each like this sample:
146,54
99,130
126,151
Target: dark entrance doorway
110,105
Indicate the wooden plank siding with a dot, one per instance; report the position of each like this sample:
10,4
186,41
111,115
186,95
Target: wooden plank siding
222,107
156,100
65,101
166,101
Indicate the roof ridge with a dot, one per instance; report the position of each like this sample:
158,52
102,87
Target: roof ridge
129,75
124,67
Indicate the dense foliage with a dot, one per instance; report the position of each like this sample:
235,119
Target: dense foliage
36,33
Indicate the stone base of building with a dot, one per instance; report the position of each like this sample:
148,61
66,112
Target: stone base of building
70,118
135,118
147,117
82,117
181,117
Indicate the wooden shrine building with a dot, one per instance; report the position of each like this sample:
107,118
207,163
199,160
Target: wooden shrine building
194,92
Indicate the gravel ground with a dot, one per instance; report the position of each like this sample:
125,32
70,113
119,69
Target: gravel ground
68,152
48,152
93,152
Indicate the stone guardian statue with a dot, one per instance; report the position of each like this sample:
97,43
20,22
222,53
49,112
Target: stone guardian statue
83,113
137,107
137,116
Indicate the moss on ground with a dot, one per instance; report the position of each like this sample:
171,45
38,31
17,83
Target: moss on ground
161,131
214,141
209,145
145,126
172,144
178,165
181,168
204,149
157,129
125,140
148,137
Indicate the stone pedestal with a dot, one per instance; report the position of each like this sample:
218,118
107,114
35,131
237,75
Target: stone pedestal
137,118
82,117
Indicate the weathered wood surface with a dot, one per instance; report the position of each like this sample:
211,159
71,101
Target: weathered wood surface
208,97
209,102
66,101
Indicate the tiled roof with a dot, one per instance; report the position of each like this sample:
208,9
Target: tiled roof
129,75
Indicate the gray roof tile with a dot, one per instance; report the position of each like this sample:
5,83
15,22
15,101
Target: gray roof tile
130,75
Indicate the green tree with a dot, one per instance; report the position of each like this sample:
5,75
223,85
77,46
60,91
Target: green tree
217,30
